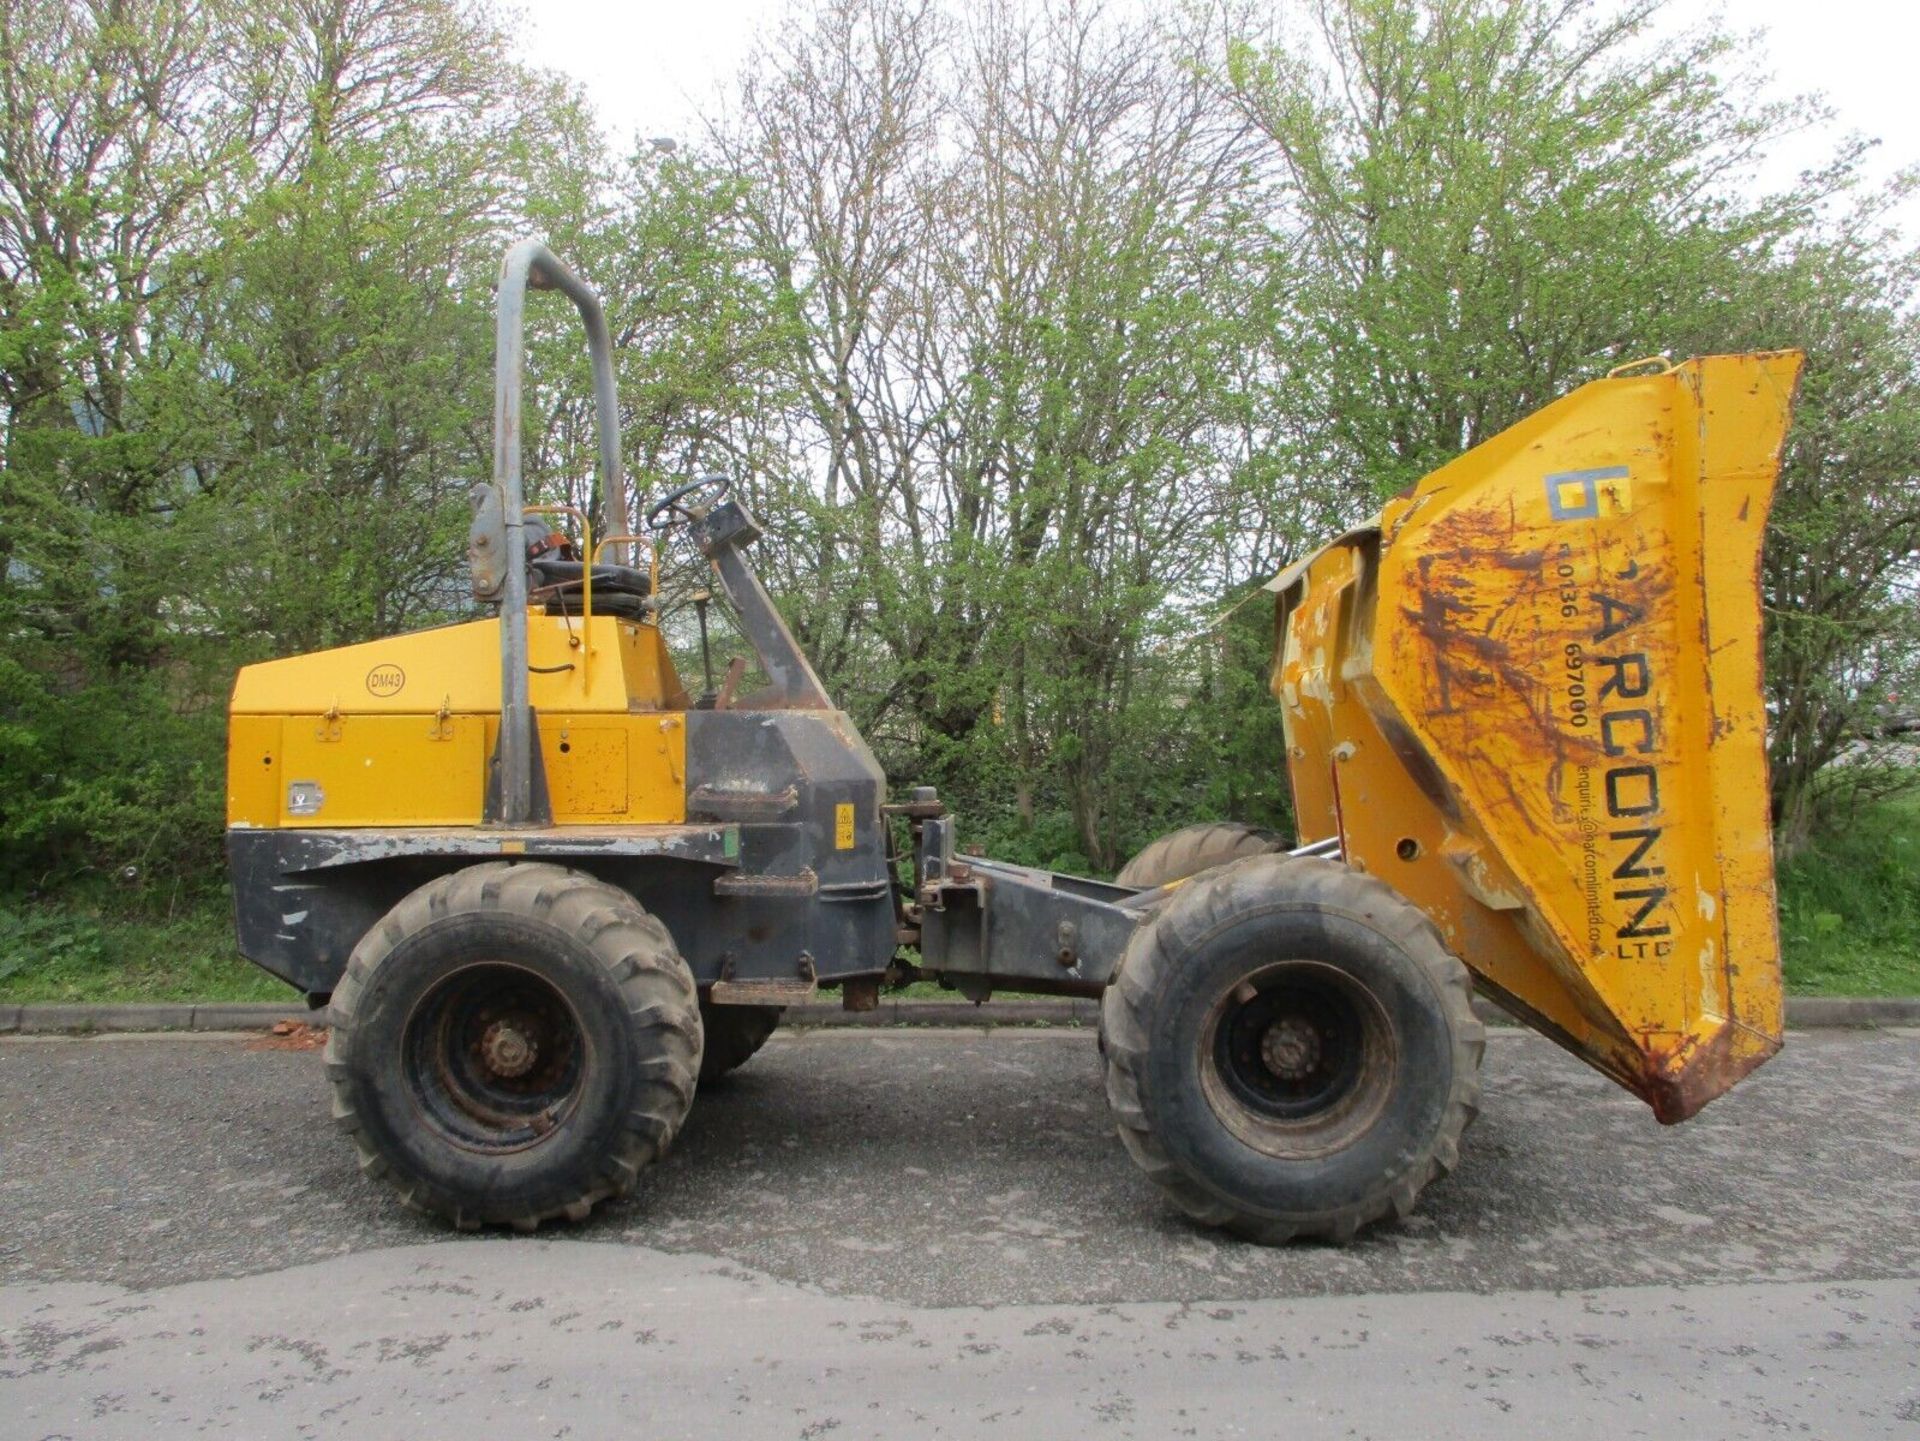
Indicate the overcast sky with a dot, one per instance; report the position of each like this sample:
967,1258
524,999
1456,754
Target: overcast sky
654,67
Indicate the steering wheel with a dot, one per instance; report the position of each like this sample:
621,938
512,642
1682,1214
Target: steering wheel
675,508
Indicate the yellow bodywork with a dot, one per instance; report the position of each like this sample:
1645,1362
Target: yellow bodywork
399,732
1528,698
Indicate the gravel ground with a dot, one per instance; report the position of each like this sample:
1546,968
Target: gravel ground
935,1233
950,1168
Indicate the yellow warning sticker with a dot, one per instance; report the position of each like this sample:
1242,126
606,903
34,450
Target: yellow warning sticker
843,826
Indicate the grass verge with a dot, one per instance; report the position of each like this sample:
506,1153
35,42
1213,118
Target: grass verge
78,953
1850,907
1849,925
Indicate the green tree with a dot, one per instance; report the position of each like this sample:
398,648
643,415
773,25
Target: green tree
232,360
1026,273
345,367
1493,201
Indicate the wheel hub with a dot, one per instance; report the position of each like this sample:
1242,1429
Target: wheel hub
1291,1048
1295,1055
508,1050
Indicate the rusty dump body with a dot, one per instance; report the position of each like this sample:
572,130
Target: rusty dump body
1528,697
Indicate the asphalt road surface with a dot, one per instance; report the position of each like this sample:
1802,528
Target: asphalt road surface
935,1233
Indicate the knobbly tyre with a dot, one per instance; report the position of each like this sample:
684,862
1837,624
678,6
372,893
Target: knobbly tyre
549,893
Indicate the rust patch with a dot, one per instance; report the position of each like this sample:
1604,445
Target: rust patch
1679,1086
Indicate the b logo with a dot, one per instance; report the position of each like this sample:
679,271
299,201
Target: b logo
385,680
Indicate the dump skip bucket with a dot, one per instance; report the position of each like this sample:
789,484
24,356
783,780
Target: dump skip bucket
1529,698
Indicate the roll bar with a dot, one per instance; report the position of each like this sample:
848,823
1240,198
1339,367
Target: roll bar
528,263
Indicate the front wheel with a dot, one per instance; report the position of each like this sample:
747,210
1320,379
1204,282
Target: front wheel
512,1044
1291,1051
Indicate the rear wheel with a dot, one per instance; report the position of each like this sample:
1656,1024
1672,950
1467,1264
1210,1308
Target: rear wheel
1291,1051
512,1044
733,1034
1193,849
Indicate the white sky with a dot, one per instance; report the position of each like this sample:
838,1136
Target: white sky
654,67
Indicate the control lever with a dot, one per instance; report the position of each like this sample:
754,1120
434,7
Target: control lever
708,696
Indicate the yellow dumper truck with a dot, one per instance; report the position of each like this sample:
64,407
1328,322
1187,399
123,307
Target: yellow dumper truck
549,891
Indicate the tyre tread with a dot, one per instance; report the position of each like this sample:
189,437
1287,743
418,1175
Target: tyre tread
638,955
1235,891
